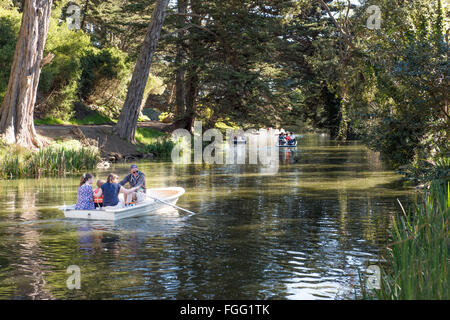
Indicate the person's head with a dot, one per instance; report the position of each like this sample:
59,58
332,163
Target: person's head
112,178
87,177
100,183
134,169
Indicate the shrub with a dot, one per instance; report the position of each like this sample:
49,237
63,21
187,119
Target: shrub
104,79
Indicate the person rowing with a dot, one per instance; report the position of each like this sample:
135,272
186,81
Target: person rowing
281,139
136,179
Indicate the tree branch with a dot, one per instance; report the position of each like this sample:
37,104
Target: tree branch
189,26
347,38
48,59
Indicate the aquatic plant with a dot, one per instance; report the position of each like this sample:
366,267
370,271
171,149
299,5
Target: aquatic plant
160,147
56,159
418,257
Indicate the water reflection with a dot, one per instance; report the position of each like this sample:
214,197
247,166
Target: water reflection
301,233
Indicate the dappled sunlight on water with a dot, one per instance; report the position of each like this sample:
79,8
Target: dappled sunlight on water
303,232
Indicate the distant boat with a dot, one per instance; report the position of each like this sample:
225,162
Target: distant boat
239,140
169,195
288,145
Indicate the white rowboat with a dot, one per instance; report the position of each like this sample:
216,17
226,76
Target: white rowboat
287,145
169,195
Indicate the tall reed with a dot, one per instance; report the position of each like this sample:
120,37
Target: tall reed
418,258
53,160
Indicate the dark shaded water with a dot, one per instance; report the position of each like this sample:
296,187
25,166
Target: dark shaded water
302,233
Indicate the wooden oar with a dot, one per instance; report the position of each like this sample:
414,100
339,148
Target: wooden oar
172,205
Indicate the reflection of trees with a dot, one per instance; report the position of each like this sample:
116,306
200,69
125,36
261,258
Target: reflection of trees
28,262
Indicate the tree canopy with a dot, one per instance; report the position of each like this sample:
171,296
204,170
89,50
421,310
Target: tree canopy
319,64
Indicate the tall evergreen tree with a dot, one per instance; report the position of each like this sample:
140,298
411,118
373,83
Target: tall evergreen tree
126,126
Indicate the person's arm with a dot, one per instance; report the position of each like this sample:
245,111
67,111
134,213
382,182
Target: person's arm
127,191
125,180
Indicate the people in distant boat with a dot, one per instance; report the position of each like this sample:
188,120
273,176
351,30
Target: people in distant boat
292,139
98,196
136,179
287,138
282,139
85,194
111,189
239,140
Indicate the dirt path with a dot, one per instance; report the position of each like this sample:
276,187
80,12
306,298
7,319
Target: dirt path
112,147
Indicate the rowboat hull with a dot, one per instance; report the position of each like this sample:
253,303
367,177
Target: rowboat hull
149,205
287,146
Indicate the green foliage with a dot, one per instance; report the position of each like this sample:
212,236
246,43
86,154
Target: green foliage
148,135
50,121
419,255
58,84
163,116
153,141
104,78
389,88
406,118
160,147
260,63
95,118
9,28
423,171
232,68
56,159
78,69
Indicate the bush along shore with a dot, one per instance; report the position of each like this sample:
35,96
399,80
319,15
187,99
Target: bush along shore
55,159
418,255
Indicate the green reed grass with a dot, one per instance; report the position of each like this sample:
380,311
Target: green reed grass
53,160
418,257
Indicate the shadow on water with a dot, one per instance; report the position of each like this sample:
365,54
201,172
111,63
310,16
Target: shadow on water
302,232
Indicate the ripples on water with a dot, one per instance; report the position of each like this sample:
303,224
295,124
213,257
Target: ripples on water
303,233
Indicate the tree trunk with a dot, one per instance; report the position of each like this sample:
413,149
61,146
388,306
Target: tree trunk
126,127
85,10
192,79
180,73
16,118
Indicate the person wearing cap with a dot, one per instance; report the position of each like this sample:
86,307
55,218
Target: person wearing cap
136,179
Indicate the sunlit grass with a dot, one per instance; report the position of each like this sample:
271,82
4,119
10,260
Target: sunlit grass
148,135
155,142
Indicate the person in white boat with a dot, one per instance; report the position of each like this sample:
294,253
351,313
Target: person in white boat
111,189
85,194
136,179
281,139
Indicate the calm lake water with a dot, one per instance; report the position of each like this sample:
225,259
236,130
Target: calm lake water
302,233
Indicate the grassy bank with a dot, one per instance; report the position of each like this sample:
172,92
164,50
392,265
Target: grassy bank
56,159
88,120
153,141
418,256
